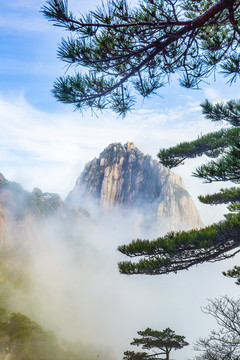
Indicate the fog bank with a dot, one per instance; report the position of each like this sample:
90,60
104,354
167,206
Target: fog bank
74,287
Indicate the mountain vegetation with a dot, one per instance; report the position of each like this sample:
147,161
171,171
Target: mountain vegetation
20,337
20,202
23,339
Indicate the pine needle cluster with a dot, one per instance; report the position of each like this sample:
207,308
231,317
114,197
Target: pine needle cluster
178,251
135,50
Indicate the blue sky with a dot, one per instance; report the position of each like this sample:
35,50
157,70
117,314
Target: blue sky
44,143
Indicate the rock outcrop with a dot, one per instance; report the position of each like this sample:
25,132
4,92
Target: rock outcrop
123,177
20,209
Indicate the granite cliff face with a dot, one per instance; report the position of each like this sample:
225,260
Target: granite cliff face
124,177
121,178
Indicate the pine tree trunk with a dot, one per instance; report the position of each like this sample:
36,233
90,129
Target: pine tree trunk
167,354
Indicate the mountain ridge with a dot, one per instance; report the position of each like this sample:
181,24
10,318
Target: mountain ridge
123,176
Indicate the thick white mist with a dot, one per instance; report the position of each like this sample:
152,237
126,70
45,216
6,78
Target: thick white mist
77,291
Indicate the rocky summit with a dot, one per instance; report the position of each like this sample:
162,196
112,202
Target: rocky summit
123,177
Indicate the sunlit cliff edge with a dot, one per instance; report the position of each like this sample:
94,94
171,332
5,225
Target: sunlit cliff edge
121,178
124,177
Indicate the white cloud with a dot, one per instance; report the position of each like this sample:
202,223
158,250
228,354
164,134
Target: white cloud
49,150
213,94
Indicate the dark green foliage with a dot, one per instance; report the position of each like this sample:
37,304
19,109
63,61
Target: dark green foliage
158,343
137,49
21,327
229,111
233,273
132,355
177,251
24,339
224,196
227,167
211,145
151,339
225,142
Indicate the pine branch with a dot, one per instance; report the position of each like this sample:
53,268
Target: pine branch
178,251
229,112
225,196
233,273
211,145
227,168
151,41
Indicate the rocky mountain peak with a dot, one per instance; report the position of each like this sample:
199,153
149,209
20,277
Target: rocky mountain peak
116,152
123,176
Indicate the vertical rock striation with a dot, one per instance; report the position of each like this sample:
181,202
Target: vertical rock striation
123,177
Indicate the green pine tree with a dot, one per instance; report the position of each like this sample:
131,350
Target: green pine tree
158,343
177,251
130,50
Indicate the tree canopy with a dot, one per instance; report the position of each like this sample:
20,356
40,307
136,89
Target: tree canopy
158,343
135,50
177,251
23,339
